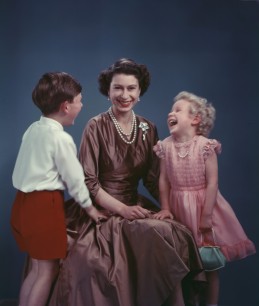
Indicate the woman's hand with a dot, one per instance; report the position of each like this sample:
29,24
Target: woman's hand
164,214
95,214
134,212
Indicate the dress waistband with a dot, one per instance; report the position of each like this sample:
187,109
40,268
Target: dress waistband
189,188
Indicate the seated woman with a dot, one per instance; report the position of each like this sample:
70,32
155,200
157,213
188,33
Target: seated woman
131,258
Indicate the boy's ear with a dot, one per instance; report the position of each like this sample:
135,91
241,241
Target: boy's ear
64,106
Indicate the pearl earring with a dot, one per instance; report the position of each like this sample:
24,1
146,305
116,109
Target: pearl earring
138,99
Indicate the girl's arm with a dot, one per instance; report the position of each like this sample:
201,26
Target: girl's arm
151,174
164,192
211,173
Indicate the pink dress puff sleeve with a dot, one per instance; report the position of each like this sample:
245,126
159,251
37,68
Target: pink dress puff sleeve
212,145
159,150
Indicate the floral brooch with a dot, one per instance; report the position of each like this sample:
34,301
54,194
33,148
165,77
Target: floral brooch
144,126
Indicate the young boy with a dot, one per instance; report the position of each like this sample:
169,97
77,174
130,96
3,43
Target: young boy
46,165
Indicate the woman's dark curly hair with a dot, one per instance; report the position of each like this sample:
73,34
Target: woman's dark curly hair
128,67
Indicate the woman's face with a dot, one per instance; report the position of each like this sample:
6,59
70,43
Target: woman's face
124,92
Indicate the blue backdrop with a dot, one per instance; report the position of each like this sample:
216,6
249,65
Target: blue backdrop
208,47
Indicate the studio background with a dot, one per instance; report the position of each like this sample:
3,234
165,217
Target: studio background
210,48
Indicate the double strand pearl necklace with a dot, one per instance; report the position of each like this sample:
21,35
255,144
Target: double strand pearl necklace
120,131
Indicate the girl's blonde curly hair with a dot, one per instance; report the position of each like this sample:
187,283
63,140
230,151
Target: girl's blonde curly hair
201,107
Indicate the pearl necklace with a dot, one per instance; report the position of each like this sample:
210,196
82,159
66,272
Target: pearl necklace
183,152
120,130
183,155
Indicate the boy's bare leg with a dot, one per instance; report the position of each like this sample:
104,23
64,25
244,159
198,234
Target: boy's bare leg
36,286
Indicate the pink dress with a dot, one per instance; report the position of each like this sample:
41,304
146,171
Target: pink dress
185,163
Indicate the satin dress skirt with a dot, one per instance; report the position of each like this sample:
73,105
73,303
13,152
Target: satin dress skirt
126,263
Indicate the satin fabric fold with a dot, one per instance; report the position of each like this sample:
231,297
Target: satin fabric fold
126,263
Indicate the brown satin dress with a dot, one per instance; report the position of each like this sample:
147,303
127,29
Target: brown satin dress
120,262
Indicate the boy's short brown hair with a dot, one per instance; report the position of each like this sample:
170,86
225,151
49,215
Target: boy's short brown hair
54,88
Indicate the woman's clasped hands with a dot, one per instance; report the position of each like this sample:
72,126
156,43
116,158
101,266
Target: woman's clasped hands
134,212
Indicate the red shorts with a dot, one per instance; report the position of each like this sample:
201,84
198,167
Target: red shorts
38,224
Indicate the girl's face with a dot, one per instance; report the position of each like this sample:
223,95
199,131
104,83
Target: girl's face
180,120
124,92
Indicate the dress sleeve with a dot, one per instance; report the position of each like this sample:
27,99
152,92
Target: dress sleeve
89,156
159,149
151,177
212,145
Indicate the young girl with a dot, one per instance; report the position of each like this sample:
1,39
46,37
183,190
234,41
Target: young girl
189,183
45,166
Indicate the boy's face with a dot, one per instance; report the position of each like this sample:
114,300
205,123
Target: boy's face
74,109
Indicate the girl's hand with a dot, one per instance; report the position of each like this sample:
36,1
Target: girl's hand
207,236
164,214
134,212
206,229
205,223
95,214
